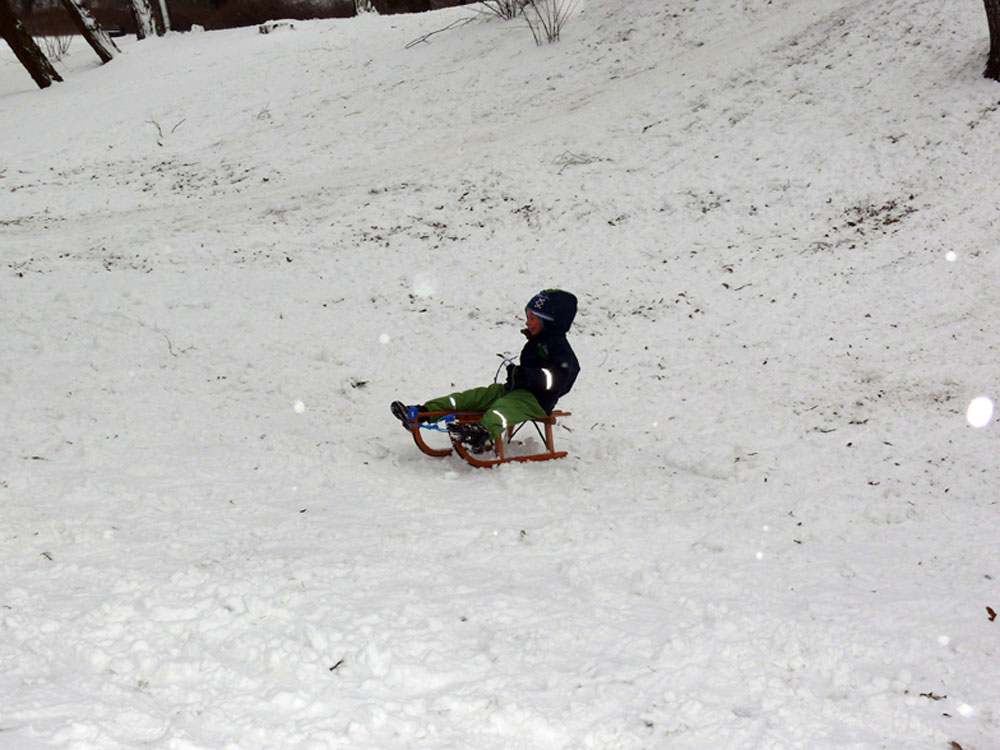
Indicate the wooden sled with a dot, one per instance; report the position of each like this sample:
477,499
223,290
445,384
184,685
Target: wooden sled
543,426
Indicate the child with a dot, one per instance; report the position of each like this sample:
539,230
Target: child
547,371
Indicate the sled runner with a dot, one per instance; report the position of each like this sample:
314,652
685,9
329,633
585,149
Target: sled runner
438,421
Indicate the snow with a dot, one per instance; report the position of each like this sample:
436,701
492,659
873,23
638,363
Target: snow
225,253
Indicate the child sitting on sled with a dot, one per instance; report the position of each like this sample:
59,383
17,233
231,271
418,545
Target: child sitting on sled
547,370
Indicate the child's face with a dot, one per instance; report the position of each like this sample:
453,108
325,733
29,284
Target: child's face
532,322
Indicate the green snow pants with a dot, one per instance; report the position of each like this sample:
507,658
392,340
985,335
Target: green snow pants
502,409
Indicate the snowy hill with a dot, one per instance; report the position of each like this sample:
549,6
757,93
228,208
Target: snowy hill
224,254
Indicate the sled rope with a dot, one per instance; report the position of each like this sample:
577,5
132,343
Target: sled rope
496,375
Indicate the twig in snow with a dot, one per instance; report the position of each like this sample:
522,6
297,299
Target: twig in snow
425,37
170,346
569,159
159,130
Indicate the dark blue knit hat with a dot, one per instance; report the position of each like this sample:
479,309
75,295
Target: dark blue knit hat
541,305
556,307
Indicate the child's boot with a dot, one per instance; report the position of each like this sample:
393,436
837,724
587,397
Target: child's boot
472,435
402,412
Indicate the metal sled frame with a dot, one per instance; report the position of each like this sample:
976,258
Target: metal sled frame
543,426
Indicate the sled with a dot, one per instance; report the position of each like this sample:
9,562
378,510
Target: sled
437,420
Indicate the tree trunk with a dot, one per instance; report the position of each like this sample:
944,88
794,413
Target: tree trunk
161,23
993,18
91,30
163,17
145,21
24,47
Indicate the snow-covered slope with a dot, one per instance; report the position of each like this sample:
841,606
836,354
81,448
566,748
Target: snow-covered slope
775,529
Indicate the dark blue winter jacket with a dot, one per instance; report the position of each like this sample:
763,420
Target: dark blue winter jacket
548,367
